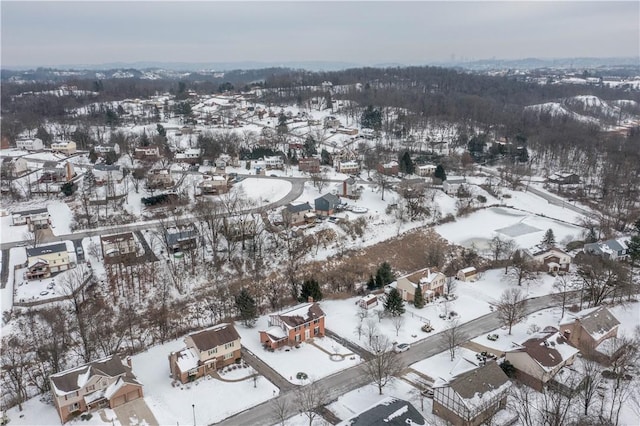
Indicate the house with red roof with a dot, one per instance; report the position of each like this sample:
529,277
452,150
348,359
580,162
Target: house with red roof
303,322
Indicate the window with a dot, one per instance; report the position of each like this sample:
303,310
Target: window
316,331
297,337
228,356
316,321
212,351
91,388
229,345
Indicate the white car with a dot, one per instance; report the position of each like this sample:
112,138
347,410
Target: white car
401,347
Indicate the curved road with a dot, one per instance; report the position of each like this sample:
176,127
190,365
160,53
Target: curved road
352,378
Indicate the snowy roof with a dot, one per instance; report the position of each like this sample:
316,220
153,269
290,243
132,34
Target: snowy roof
549,349
275,333
389,411
30,212
295,208
596,321
422,276
480,385
54,248
469,270
187,359
117,237
301,314
73,379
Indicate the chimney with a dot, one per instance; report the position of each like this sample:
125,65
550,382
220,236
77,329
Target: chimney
129,361
310,299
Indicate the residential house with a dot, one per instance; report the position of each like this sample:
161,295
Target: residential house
350,189
452,184
36,219
390,169
347,131
431,283
151,152
425,170
555,260
332,122
615,249
298,214
369,301
30,144
13,167
589,328
107,174
191,156
43,261
326,204
204,352
64,147
564,178
159,179
57,172
296,325
273,162
389,411
181,239
118,246
471,397
214,184
538,359
467,274
348,167
105,149
309,165
106,383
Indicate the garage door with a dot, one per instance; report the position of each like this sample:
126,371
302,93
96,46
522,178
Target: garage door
133,395
119,400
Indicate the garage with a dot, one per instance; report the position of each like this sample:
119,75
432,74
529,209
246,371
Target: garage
118,400
133,395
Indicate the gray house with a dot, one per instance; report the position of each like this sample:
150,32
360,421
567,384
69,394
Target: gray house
389,411
326,205
297,214
615,249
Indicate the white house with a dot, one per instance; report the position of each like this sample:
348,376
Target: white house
30,144
65,147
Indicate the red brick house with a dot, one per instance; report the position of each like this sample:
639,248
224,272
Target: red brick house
309,165
205,352
296,325
108,382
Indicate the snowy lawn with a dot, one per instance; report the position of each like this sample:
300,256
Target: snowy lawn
480,227
263,191
441,365
37,411
172,405
308,359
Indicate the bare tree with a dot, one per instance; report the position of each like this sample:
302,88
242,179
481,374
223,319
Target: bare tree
15,363
592,379
281,410
308,398
562,285
521,269
371,330
453,336
510,307
383,182
384,364
398,322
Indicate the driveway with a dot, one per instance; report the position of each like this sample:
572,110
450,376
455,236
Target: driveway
135,413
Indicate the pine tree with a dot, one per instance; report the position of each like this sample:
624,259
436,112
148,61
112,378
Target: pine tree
418,298
440,173
310,288
549,238
386,274
406,164
371,284
247,307
394,304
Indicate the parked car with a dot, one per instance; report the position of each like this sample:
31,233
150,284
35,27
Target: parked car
493,337
427,328
428,393
401,347
79,251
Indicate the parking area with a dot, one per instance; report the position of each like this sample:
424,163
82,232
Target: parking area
135,413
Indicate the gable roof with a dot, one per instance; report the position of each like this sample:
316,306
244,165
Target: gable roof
484,379
389,411
595,321
330,198
30,212
73,379
127,236
215,336
296,208
301,314
549,349
54,248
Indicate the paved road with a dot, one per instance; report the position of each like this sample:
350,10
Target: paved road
297,187
354,377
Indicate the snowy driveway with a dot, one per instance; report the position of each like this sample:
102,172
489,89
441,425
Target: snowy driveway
135,413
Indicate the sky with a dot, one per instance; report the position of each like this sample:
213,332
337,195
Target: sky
367,33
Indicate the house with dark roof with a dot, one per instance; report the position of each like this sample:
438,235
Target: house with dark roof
538,359
118,247
42,261
588,328
388,412
615,249
431,284
326,204
205,352
298,214
106,383
36,219
471,397
181,239
303,322
350,188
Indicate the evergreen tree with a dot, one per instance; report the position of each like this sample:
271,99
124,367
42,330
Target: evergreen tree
161,131
325,157
310,147
247,308
549,238
508,369
386,274
379,280
418,298
68,188
371,118
43,135
406,164
634,245
394,304
440,173
310,288
93,156
371,284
